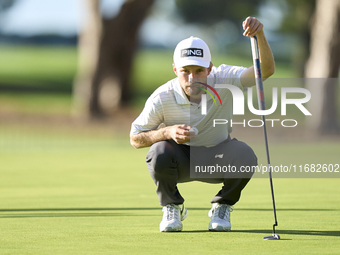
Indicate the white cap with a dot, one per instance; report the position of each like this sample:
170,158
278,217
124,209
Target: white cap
192,51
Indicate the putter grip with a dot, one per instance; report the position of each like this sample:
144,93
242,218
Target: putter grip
257,71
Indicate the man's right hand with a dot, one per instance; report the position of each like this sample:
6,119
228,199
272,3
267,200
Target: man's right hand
181,133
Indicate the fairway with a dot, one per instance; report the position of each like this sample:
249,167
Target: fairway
94,195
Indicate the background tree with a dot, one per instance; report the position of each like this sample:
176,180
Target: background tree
213,11
4,5
106,51
324,63
297,19
107,48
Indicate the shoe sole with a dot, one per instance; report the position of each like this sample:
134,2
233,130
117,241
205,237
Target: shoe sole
219,229
171,230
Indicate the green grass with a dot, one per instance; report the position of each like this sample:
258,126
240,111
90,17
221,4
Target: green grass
38,66
76,193
64,190
54,68
32,103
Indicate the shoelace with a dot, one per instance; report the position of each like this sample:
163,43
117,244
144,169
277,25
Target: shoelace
171,213
222,211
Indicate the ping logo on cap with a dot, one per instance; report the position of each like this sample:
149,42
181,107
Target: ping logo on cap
192,52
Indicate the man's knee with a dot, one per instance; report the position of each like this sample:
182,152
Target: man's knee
244,154
161,155
249,156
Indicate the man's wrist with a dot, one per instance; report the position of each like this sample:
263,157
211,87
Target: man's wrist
260,33
166,133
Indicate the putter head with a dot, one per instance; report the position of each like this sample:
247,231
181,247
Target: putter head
272,237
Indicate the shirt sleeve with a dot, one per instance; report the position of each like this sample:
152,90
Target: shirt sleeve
150,118
229,75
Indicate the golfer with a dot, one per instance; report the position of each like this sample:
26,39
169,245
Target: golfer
183,141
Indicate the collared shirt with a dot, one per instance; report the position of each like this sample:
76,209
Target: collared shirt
169,105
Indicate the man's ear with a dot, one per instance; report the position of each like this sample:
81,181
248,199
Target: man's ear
174,68
210,67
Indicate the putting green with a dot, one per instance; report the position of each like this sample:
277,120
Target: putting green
67,196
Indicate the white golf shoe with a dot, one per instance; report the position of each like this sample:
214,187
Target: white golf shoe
172,217
220,217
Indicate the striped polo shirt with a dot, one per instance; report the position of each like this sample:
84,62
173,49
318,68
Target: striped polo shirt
169,105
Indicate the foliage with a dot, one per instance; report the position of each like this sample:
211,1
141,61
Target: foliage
6,4
298,16
210,12
297,20
297,13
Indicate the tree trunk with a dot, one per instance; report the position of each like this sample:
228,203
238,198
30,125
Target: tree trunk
324,63
106,51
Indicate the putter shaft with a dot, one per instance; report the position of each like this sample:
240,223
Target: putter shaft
261,103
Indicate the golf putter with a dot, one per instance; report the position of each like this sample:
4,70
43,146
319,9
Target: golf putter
260,99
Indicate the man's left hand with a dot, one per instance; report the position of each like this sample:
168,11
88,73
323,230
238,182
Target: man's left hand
251,26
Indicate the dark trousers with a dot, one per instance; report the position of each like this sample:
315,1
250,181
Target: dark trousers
169,163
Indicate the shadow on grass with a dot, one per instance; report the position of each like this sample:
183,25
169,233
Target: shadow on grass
292,232
154,208
110,212
71,212
80,209
267,232
65,215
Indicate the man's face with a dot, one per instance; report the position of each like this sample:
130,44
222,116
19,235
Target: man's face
188,76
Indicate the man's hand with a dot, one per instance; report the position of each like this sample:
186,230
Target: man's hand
251,26
181,133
